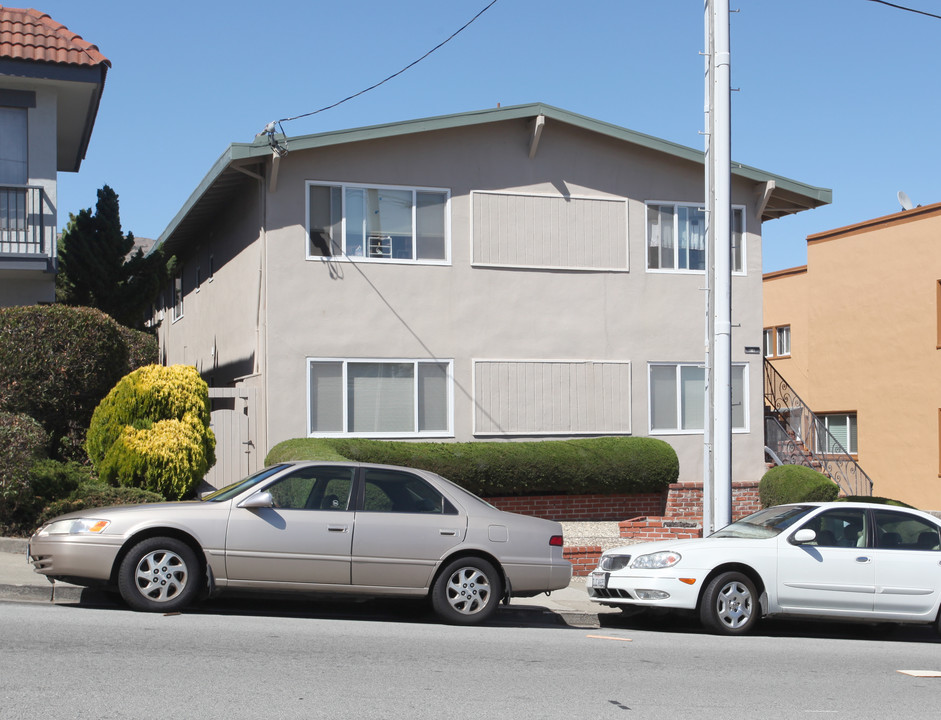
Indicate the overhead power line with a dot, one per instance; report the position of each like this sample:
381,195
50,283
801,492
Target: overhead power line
394,75
906,9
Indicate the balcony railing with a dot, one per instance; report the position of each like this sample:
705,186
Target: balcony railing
796,436
21,221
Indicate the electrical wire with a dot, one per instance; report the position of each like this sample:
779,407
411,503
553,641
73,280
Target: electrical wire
907,9
394,75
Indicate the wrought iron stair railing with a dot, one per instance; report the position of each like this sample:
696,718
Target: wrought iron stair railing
794,435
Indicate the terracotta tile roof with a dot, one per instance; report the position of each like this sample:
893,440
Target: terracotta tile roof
32,35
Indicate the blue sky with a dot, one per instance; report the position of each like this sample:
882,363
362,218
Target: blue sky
841,94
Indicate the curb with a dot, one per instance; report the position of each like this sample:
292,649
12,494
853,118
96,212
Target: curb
13,545
54,593
75,595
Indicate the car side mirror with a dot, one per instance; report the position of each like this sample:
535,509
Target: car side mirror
261,499
804,535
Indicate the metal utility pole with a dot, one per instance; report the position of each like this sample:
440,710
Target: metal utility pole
719,179
707,461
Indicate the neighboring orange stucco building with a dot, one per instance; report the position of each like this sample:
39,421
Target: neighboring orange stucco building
857,334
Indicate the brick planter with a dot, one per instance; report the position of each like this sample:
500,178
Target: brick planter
583,508
584,558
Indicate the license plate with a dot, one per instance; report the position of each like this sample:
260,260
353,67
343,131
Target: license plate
599,580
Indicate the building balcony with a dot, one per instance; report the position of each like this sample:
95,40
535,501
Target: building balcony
24,244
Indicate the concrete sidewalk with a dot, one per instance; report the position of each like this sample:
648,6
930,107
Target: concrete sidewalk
19,582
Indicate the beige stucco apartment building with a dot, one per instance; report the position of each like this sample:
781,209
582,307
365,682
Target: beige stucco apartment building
857,334
515,273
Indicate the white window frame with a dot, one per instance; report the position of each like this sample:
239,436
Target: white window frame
683,271
343,256
345,362
782,337
176,295
826,419
744,428
767,342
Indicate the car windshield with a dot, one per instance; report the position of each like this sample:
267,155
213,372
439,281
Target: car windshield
764,523
230,491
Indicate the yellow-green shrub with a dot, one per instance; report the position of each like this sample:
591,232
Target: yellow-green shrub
152,431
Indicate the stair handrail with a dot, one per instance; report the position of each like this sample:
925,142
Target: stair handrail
795,416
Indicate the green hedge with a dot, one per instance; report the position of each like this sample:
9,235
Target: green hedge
598,465
795,483
23,442
58,362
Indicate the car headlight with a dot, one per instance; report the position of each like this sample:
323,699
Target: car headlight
75,526
657,560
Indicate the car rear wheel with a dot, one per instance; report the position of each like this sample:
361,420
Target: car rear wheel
159,574
467,591
730,604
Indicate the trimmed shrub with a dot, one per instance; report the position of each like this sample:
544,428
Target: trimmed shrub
142,348
152,431
795,483
56,364
609,465
95,495
24,442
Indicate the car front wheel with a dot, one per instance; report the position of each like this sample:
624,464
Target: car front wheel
159,574
730,604
467,591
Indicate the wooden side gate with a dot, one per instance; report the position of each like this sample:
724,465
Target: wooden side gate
232,419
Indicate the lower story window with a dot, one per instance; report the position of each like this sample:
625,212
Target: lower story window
379,397
677,397
840,433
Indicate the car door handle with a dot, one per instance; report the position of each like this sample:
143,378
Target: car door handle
448,532
863,559
338,528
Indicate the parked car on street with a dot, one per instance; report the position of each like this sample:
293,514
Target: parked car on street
848,561
329,528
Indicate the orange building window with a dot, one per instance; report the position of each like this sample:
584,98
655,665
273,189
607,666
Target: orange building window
777,341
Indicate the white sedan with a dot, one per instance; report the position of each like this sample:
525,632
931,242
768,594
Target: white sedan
852,561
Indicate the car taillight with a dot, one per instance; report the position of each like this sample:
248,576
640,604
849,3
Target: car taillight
555,541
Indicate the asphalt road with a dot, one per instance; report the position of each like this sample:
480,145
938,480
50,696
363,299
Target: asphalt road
236,661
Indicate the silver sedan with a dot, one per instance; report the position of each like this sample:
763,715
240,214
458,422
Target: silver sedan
328,528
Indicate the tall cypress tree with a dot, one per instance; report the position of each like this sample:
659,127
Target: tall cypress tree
97,268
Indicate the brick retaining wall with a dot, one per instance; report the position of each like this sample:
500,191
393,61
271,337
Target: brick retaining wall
583,508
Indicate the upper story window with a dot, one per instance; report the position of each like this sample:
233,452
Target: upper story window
777,341
381,223
676,238
14,166
177,295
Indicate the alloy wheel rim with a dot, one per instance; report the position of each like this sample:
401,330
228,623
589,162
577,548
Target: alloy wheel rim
468,590
161,575
734,605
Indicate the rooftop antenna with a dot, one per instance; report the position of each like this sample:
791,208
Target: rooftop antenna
905,201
